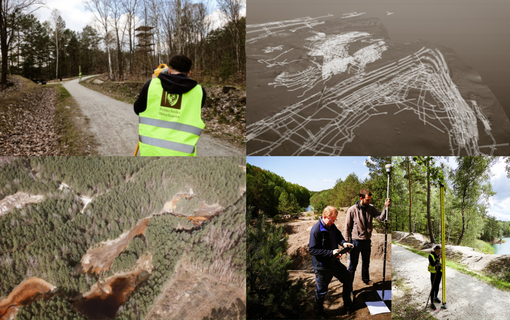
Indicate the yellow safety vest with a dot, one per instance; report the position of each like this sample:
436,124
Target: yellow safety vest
432,269
172,123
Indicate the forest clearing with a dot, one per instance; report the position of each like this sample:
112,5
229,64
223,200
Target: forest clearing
133,244
280,232
298,232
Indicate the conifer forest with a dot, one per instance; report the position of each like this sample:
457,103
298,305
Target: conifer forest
119,238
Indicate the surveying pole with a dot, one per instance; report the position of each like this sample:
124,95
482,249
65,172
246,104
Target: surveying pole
388,170
443,249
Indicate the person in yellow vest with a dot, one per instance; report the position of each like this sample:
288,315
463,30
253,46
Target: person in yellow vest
169,107
435,274
80,77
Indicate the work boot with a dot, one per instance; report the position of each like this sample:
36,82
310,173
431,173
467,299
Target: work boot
319,308
368,282
437,300
433,306
349,309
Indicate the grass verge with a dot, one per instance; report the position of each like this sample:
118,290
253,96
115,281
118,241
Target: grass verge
402,307
125,91
72,126
492,280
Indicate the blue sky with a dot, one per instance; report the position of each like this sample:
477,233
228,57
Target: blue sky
314,173
320,173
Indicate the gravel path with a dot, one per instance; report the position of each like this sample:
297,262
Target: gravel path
115,125
466,297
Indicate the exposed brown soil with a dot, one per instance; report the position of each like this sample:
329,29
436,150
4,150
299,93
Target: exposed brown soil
100,258
170,205
18,200
103,301
22,295
191,294
299,235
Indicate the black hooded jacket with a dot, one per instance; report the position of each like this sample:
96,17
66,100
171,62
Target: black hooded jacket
172,83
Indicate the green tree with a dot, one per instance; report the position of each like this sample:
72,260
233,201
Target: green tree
270,294
471,185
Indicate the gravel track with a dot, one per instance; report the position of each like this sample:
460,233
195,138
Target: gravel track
115,125
466,296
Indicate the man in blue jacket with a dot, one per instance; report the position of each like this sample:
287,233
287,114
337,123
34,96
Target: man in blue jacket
323,245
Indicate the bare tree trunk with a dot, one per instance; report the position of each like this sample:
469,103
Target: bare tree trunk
410,196
179,14
429,220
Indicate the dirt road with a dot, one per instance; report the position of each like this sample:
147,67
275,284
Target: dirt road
466,297
115,125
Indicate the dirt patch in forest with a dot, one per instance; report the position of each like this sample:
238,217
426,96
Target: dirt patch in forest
170,205
100,258
191,294
18,200
22,295
299,236
104,299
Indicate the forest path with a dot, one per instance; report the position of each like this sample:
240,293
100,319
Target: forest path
466,296
115,125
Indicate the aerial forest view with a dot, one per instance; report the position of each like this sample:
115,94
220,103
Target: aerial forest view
475,229
67,68
122,238
280,279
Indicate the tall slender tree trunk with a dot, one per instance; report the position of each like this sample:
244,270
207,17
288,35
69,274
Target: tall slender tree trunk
109,62
463,219
3,44
179,14
429,220
410,196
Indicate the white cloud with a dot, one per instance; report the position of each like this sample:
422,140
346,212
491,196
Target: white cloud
498,170
72,11
500,209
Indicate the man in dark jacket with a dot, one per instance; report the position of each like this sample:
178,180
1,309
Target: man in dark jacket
358,230
169,109
323,246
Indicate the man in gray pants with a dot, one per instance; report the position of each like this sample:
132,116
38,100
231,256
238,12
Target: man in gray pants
358,231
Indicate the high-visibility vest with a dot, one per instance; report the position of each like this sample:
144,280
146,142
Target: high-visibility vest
432,269
172,123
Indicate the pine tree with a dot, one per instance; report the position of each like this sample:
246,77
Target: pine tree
270,293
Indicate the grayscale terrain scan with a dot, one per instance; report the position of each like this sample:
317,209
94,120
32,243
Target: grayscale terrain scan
337,85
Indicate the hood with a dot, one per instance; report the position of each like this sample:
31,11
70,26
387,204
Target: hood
176,83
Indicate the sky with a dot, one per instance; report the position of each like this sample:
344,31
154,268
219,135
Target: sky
314,173
499,203
320,173
76,15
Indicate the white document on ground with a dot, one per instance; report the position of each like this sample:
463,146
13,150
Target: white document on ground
387,294
376,307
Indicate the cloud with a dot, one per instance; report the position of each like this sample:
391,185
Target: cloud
72,11
499,209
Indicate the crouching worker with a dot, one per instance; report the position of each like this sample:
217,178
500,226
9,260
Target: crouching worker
323,245
169,107
436,275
